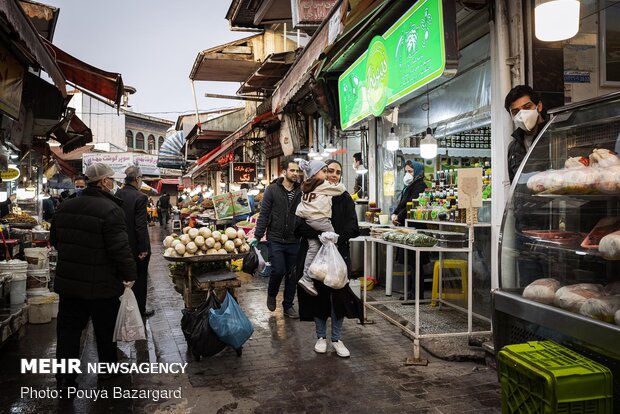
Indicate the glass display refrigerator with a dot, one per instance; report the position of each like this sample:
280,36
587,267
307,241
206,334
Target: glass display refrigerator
560,238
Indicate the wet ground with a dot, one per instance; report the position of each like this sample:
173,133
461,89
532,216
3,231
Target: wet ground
279,372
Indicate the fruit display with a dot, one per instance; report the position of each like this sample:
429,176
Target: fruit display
206,241
22,218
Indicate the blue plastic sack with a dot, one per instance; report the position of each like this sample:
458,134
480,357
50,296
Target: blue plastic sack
230,323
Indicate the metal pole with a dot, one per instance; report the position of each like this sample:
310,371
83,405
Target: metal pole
285,42
197,116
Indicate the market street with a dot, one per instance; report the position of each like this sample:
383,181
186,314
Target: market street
278,371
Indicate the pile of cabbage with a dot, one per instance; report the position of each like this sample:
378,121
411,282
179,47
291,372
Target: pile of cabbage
205,241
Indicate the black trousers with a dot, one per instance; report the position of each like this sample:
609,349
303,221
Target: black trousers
73,316
140,286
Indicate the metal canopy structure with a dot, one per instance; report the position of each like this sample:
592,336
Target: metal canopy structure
231,62
268,74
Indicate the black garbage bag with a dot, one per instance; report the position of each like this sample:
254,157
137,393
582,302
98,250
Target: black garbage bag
201,339
250,262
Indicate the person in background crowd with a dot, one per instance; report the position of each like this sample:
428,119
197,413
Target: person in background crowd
414,185
64,195
47,205
134,205
529,116
163,209
79,184
277,219
5,206
330,303
360,189
94,263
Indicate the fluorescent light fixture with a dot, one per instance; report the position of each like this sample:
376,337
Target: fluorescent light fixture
556,20
391,143
44,180
14,156
428,146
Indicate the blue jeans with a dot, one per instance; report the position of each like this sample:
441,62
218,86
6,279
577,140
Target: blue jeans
283,257
321,327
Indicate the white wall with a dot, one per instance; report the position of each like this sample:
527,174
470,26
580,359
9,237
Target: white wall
107,125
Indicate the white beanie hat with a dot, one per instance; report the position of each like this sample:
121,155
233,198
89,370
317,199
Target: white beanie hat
310,168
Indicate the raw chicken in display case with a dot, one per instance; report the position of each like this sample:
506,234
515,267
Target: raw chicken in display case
559,274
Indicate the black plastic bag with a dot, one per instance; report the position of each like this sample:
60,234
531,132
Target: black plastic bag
250,262
201,339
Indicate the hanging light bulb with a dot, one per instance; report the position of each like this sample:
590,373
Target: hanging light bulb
325,153
391,143
318,158
556,20
260,186
298,159
330,148
428,145
312,154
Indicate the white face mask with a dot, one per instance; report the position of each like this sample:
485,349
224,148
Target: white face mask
526,119
408,179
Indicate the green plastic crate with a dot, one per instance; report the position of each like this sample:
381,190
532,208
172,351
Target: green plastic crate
544,377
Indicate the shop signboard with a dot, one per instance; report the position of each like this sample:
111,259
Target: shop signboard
11,83
419,48
119,161
226,159
310,13
243,172
11,174
228,205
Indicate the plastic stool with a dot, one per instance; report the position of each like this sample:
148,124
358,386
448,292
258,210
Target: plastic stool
450,264
176,225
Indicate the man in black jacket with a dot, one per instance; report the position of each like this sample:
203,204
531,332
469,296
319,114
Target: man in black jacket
277,218
136,218
94,263
526,110
163,208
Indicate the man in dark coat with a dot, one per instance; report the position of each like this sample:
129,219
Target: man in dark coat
94,263
136,218
527,112
163,209
277,218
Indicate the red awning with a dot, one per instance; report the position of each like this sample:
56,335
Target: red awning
108,85
167,181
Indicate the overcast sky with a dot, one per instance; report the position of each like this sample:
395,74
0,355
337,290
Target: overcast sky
152,43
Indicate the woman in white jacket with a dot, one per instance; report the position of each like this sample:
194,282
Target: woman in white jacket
316,209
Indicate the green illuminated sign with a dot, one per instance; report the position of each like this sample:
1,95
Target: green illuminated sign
412,53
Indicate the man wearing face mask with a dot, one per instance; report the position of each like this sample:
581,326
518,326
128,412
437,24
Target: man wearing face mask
527,113
414,185
94,265
79,184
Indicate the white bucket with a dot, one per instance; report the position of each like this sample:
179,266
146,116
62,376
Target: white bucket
18,289
55,303
37,257
30,293
40,309
38,278
12,266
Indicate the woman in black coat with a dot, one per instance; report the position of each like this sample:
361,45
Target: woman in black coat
414,185
330,303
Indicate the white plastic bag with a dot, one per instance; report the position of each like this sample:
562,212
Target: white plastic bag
129,326
328,266
261,261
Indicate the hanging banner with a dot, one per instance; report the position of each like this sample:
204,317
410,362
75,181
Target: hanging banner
419,48
119,161
231,204
11,83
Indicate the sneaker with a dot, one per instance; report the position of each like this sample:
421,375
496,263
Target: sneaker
321,346
271,303
308,286
291,313
340,349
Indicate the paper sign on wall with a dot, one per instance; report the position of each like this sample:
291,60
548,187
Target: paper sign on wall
470,187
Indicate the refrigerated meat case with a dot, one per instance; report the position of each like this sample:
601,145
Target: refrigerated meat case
543,236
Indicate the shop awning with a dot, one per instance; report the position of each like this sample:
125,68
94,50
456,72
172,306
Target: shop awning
75,155
231,62
42,16
66,168
167,181
270,72
108,85
170,152
298,73
71,132
30,43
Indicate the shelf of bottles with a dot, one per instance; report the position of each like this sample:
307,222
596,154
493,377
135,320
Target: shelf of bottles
439,202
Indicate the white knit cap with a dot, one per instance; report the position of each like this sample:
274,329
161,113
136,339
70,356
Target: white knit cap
310,168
